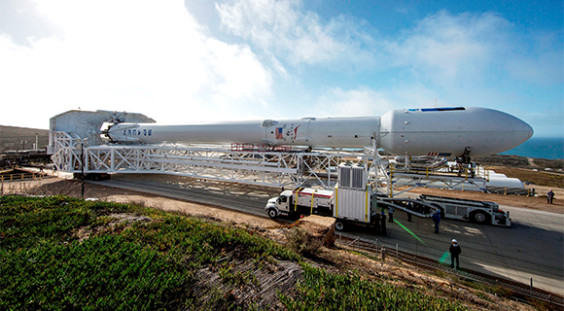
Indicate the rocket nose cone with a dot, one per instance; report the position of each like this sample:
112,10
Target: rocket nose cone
509,130
524,130
530,131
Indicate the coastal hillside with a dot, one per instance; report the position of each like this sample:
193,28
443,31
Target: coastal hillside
67,253
22,138
519,161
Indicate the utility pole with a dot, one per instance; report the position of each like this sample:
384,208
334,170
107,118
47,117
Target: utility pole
82,169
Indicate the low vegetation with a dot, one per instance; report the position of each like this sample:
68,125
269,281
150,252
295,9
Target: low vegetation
60,253
147,265
351,292
63,253
542,172
518,161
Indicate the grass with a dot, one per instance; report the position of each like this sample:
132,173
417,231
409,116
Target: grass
146,266
153,264
323,291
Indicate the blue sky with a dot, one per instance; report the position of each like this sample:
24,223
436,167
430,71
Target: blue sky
201,60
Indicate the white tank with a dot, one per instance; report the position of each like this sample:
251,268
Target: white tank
432,131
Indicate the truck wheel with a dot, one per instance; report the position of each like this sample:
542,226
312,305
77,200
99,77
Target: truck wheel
339,225
480,217
272,213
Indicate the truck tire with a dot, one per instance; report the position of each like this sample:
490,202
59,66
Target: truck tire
339,225
480,217
272,213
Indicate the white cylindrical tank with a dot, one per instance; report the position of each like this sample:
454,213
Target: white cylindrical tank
432,131
313,132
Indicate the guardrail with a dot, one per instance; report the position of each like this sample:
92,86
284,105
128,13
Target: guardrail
21,176
519,291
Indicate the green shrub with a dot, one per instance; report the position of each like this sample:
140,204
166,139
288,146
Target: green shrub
323,291
102,273
301,241
144,266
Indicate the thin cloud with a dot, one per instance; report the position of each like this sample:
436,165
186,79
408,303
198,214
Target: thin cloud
362,101
145,56
299,37
444,47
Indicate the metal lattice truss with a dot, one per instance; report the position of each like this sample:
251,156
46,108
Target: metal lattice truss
402,180
276,169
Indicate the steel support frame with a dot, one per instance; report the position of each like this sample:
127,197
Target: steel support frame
274,169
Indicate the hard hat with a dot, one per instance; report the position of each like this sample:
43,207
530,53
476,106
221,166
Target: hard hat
454,241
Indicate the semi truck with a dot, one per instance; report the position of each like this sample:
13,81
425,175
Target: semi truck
483,212
346,205
351,201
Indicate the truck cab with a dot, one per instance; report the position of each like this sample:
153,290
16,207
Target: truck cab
279,205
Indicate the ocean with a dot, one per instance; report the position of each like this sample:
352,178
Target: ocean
540,147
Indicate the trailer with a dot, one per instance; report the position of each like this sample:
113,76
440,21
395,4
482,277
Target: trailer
482,212
352,202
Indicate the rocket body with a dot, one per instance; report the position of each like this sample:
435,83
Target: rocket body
433,131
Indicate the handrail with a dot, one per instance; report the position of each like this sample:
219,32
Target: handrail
21,176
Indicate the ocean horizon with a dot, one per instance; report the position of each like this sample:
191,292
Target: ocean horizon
540,147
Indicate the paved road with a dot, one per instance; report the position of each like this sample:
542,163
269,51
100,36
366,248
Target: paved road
533,247
244,198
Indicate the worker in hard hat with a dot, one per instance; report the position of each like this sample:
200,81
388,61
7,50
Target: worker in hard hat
454,253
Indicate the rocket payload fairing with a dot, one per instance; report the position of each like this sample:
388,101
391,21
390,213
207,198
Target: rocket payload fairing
426,131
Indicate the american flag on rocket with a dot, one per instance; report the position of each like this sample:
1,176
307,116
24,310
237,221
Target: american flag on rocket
279,134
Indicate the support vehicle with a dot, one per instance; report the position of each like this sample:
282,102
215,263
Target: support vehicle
483,212
351,201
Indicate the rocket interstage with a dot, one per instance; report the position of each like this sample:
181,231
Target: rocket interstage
431,131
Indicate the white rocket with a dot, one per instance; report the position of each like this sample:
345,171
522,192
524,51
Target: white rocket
431,131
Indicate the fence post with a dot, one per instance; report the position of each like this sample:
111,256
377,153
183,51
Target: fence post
397,251
531,284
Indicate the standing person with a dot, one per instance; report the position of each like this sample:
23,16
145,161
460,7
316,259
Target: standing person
376,222
391,214
454,253
437,220
383,223
549,196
